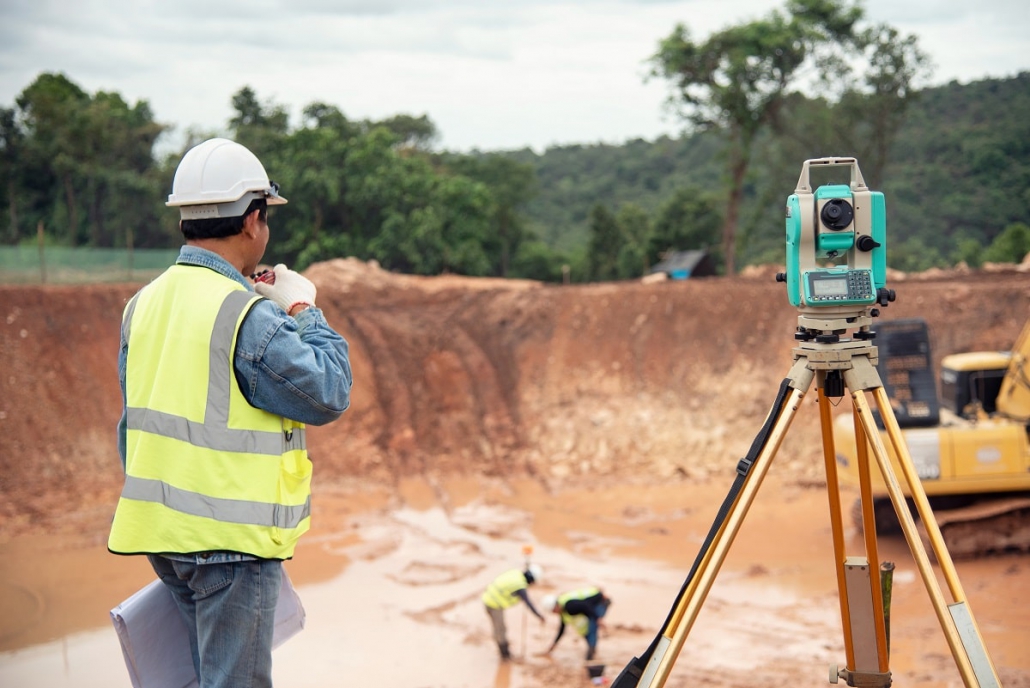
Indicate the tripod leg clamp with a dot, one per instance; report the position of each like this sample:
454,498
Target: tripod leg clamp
861,679
744,465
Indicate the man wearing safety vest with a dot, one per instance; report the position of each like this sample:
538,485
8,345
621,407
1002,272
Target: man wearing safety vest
218,383
507,590
581,609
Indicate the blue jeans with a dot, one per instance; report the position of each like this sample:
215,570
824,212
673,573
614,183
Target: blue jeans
600,610
229,610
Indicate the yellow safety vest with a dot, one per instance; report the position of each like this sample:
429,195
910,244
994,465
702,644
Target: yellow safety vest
501,593
578,621
204,469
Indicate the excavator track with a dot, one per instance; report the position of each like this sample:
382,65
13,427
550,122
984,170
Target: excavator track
986,527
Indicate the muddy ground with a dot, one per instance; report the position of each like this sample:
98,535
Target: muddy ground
599,424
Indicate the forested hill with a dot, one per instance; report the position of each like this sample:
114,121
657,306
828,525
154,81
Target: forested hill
79,170
958,174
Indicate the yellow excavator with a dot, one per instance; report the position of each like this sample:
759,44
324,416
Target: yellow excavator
969,442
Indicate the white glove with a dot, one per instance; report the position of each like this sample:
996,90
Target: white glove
288,289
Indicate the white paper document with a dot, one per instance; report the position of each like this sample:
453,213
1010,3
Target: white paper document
154,640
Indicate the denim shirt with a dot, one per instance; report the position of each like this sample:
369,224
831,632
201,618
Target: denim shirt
298,368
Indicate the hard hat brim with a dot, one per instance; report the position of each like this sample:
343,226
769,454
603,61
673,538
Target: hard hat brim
201,211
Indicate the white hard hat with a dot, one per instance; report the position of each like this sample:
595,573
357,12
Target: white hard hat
550,601
219,178
535,571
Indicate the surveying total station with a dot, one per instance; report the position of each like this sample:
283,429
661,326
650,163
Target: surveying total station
836,277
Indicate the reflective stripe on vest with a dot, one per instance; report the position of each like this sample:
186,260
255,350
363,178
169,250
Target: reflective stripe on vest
231,477
501,593
233,510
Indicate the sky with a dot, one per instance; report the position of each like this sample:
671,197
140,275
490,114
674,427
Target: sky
490,74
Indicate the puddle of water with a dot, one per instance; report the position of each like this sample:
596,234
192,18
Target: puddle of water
83,660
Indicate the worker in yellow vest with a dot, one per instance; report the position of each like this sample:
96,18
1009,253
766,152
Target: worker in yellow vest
218,383
507,590
582,610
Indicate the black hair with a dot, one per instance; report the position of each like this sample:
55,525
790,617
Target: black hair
220,227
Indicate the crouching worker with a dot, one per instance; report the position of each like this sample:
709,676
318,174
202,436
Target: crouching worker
581,609
507,590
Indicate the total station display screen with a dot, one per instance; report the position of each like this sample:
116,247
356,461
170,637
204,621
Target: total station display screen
824,288
830,287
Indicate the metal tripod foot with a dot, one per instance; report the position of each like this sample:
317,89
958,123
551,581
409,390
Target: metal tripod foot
865,680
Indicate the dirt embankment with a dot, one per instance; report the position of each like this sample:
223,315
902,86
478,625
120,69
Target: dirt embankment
619,381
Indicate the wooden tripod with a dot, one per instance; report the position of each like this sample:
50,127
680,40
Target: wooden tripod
835,364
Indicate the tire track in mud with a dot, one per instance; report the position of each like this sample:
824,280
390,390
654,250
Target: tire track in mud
494,409
395,412
438,393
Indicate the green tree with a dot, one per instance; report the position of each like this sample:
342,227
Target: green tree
11,141
536,260
313,164
372,199
606,242
968,250
85,157
690,220
1011,246
52,112
512,184
635,226
871,109
120,182
411,132
261,127
736,81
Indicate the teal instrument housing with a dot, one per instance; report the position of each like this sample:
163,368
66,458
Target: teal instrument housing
879,236
793,249
835,260
829,245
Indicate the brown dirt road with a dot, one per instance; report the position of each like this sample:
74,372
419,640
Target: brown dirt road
599,422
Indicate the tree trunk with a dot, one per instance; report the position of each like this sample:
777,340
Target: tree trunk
12,207
95,224
738,168
73,224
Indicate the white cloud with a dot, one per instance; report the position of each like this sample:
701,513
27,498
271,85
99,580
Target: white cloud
490,74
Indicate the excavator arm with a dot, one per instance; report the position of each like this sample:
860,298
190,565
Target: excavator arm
1014,395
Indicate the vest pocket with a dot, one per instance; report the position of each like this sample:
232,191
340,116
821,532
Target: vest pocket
293,497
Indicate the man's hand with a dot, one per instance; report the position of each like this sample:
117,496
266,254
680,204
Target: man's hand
290,289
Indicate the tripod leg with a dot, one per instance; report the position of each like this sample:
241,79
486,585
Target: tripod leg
682,620
969,632
860,378
863,622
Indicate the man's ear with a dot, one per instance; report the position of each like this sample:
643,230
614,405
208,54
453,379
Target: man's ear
250,222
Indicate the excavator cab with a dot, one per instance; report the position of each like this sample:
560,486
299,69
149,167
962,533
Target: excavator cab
970,382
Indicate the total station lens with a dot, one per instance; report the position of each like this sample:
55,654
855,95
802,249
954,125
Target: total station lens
837,214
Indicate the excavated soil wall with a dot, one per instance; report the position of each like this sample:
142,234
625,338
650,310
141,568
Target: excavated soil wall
617,381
